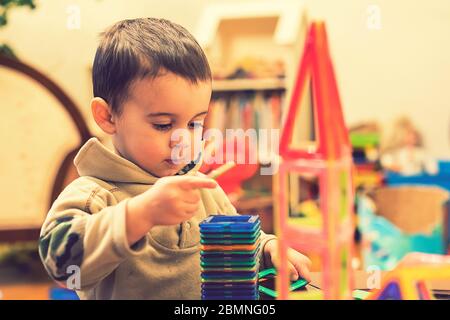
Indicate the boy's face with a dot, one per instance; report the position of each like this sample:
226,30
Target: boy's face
154,109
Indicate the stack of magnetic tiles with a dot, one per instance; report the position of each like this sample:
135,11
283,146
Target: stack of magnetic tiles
229,257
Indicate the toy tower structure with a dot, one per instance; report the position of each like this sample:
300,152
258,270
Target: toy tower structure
313,187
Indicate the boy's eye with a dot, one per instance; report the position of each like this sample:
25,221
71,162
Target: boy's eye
162,126
196,125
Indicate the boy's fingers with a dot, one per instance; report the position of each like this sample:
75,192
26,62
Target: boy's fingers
293,274
197,183
190,208
297,256
306,261
188,200
192,196
190,214
301,264
304,272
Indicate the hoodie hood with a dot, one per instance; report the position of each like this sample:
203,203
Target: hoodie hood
96,160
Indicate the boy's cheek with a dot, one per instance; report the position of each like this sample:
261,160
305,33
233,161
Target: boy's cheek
149,155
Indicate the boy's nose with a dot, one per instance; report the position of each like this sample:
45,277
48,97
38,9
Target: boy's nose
180,152
180,143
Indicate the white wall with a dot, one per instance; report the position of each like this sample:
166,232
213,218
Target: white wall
404,68
41,38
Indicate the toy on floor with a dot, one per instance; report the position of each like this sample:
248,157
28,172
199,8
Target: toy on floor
267,286
315,148
229,257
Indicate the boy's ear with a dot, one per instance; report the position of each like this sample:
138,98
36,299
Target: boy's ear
103,116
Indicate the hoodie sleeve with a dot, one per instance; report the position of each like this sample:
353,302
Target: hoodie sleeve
227,208
85,230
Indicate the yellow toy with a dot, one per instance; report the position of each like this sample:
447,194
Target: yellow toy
409,280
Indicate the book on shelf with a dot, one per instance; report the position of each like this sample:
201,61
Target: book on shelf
244,110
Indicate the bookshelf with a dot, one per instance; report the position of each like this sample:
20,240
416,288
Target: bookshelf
253,50
265,40
236,85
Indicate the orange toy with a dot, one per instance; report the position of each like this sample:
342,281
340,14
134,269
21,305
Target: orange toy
320,156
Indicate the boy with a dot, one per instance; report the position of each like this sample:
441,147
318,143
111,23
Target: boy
130,223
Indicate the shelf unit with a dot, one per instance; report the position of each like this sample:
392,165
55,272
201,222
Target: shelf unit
236,85
266,31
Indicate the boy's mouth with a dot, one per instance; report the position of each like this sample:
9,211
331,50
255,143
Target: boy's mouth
170,163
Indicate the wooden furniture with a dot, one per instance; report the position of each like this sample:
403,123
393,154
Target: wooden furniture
237,36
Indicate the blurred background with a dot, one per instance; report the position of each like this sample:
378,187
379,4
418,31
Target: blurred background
392,64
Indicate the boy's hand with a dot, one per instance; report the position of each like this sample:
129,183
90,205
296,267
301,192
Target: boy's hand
298,263
170,201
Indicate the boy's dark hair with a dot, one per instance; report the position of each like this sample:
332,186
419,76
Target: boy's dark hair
133,49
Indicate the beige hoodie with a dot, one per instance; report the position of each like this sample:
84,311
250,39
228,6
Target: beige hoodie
84,234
